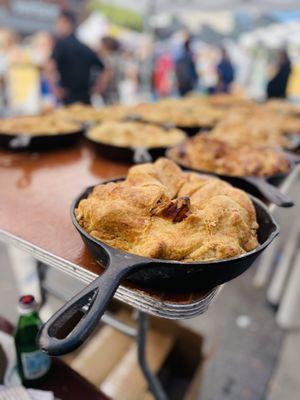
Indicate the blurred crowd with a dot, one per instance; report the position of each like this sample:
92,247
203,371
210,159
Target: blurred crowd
70,71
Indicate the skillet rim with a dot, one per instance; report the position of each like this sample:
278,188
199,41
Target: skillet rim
109,249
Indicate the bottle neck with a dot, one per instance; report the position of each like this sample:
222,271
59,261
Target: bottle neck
30,318
32,313
29,311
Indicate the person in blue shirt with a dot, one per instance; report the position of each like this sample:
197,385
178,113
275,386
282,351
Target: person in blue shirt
277,86
225,72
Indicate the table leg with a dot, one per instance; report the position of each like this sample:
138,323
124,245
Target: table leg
154,384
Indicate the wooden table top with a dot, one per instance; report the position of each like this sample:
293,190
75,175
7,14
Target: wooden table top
36,193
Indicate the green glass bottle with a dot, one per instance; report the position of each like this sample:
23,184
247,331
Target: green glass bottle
33,364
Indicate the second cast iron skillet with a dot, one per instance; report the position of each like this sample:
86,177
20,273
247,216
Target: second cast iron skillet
263,185
24,142
88,306
127,154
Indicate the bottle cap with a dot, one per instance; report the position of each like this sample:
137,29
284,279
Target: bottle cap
27,304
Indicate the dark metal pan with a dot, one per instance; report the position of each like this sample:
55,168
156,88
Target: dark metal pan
135,155
59,336
252,184
126,154
193,130
23,142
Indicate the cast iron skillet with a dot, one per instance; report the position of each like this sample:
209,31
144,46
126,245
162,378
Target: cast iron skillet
127,154
24,142
91,302
265,186
193,130
136,155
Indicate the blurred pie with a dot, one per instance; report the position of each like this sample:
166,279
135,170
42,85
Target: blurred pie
135,134
213,155
38,126
227,101
87,114
179,112
281,106
254,126
83,113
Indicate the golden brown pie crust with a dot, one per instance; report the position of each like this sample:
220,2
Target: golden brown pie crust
135,134
213,155
161,212
38,126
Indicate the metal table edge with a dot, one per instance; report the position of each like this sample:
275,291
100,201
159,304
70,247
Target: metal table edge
139,300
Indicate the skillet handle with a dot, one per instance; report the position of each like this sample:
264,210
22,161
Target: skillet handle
141,155
72,324
270,192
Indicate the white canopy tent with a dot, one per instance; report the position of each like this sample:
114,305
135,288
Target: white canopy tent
273,36
96,26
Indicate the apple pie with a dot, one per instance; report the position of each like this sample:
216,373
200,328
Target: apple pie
40,125
87,114
159,211
179,112
135,135
214,155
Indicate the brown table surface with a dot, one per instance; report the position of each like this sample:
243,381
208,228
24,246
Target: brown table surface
36,193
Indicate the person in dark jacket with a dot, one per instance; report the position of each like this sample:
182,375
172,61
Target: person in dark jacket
278,84
225,72
185,70
75,63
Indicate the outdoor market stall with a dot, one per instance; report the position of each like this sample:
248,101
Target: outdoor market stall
39,188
